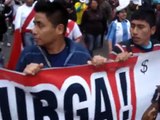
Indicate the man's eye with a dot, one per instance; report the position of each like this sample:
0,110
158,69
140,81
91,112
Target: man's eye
140,27
39,25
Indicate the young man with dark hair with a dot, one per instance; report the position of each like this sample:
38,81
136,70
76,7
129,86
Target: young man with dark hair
143,26
53,49
143,23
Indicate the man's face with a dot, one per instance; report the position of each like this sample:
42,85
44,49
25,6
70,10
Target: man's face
29,2
141,32
94,4
44,32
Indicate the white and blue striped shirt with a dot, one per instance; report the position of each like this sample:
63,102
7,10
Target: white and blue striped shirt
118,31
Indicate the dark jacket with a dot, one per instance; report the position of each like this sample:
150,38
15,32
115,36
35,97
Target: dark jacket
93,22
77,55
3,26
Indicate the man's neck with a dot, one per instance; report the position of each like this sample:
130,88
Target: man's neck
148,45
56,47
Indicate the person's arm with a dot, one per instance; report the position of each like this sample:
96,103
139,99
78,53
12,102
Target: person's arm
97,60
109,45
118,54
25,63
110,35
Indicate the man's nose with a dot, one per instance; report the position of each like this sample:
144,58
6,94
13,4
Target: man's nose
34,31
134,30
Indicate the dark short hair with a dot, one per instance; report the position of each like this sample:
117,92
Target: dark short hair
54,11
146,14
117,12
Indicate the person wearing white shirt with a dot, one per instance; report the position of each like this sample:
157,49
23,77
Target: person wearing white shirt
22,14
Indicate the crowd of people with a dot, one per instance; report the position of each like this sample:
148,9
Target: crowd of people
64,33
90,25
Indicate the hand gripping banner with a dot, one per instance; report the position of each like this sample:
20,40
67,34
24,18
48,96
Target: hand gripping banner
114,91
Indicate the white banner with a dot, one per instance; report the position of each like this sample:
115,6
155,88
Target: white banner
115,91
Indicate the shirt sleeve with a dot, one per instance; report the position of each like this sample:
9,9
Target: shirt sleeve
111,32
76,32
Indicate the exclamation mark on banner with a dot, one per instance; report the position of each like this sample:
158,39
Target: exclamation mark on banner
125,97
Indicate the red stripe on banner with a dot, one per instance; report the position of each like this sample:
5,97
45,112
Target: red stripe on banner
84,71
113,85
133,93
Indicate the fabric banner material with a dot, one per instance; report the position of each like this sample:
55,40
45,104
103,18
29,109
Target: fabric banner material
114,91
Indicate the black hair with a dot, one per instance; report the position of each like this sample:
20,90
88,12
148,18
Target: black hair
121,11
54,11
146,14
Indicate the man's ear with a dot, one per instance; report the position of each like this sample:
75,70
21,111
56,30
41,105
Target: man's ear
60,29
153,30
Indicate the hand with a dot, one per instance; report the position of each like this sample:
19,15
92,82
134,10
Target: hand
33,68
123,56
97,60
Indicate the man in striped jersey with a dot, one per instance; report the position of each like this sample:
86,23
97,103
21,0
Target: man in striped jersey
142,28
119,28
